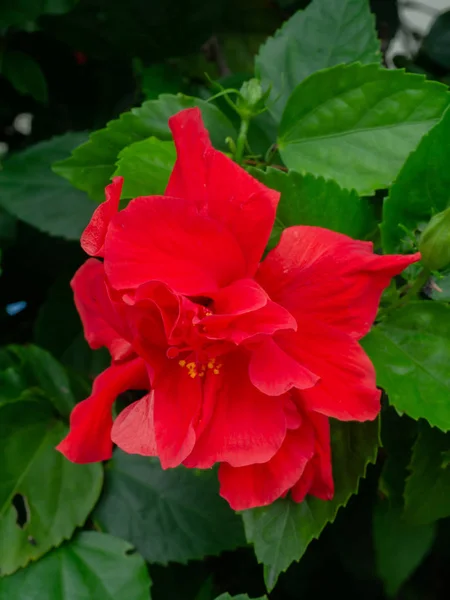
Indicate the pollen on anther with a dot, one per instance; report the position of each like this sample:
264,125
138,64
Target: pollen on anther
182,363
216,371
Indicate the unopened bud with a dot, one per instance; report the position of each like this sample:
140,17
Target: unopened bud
434,243
252,97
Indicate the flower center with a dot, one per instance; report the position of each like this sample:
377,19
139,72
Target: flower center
188,343
200,368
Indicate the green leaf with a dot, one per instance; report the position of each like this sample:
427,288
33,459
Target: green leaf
25,74
175,515
282,531
309,200
437,41
18,12
325,34
159,78
240,597
92,565
41,370
398,434
92,165
420,190
399,546
441,292
41,198
357,124
56,495
410,351
146,167
427,489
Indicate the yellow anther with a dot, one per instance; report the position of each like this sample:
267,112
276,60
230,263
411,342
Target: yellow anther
202,374
211,363
191,365
182,363
192,374
216,371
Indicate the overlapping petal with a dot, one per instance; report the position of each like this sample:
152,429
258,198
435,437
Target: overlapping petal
134,431
261,484
103,320
169,240
241,425
220,188
93,237
346,389
89,439
318,274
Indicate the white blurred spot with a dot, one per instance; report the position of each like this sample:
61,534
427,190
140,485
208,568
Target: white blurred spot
22,123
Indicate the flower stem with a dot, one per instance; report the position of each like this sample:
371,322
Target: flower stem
412,292
241,140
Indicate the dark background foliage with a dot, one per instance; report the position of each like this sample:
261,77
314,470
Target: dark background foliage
74,66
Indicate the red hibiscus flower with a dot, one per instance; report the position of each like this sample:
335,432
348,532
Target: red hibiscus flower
245,360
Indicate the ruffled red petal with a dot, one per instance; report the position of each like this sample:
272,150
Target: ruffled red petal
133,430
347,387
103,320
220,188
89,438
168,240
274,372
239,424
93,237
261,484
326,276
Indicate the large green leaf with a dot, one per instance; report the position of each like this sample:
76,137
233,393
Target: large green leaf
146,167
33,193
420,190
357,124
18,12
91,165
410,351
427,489
175,515
43,373
309,200
399,546
92,566
240,597
282,531
25,74
56,495
325,34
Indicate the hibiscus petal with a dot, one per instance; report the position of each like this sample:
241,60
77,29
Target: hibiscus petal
238,298
89,438
260,485
274,372
319,274
93,237
240,425
133,430
177,405
166,239
267,321
346,389
220,188
103,321
317,478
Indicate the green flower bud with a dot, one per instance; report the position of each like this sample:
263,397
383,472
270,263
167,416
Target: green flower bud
434,242
252,98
